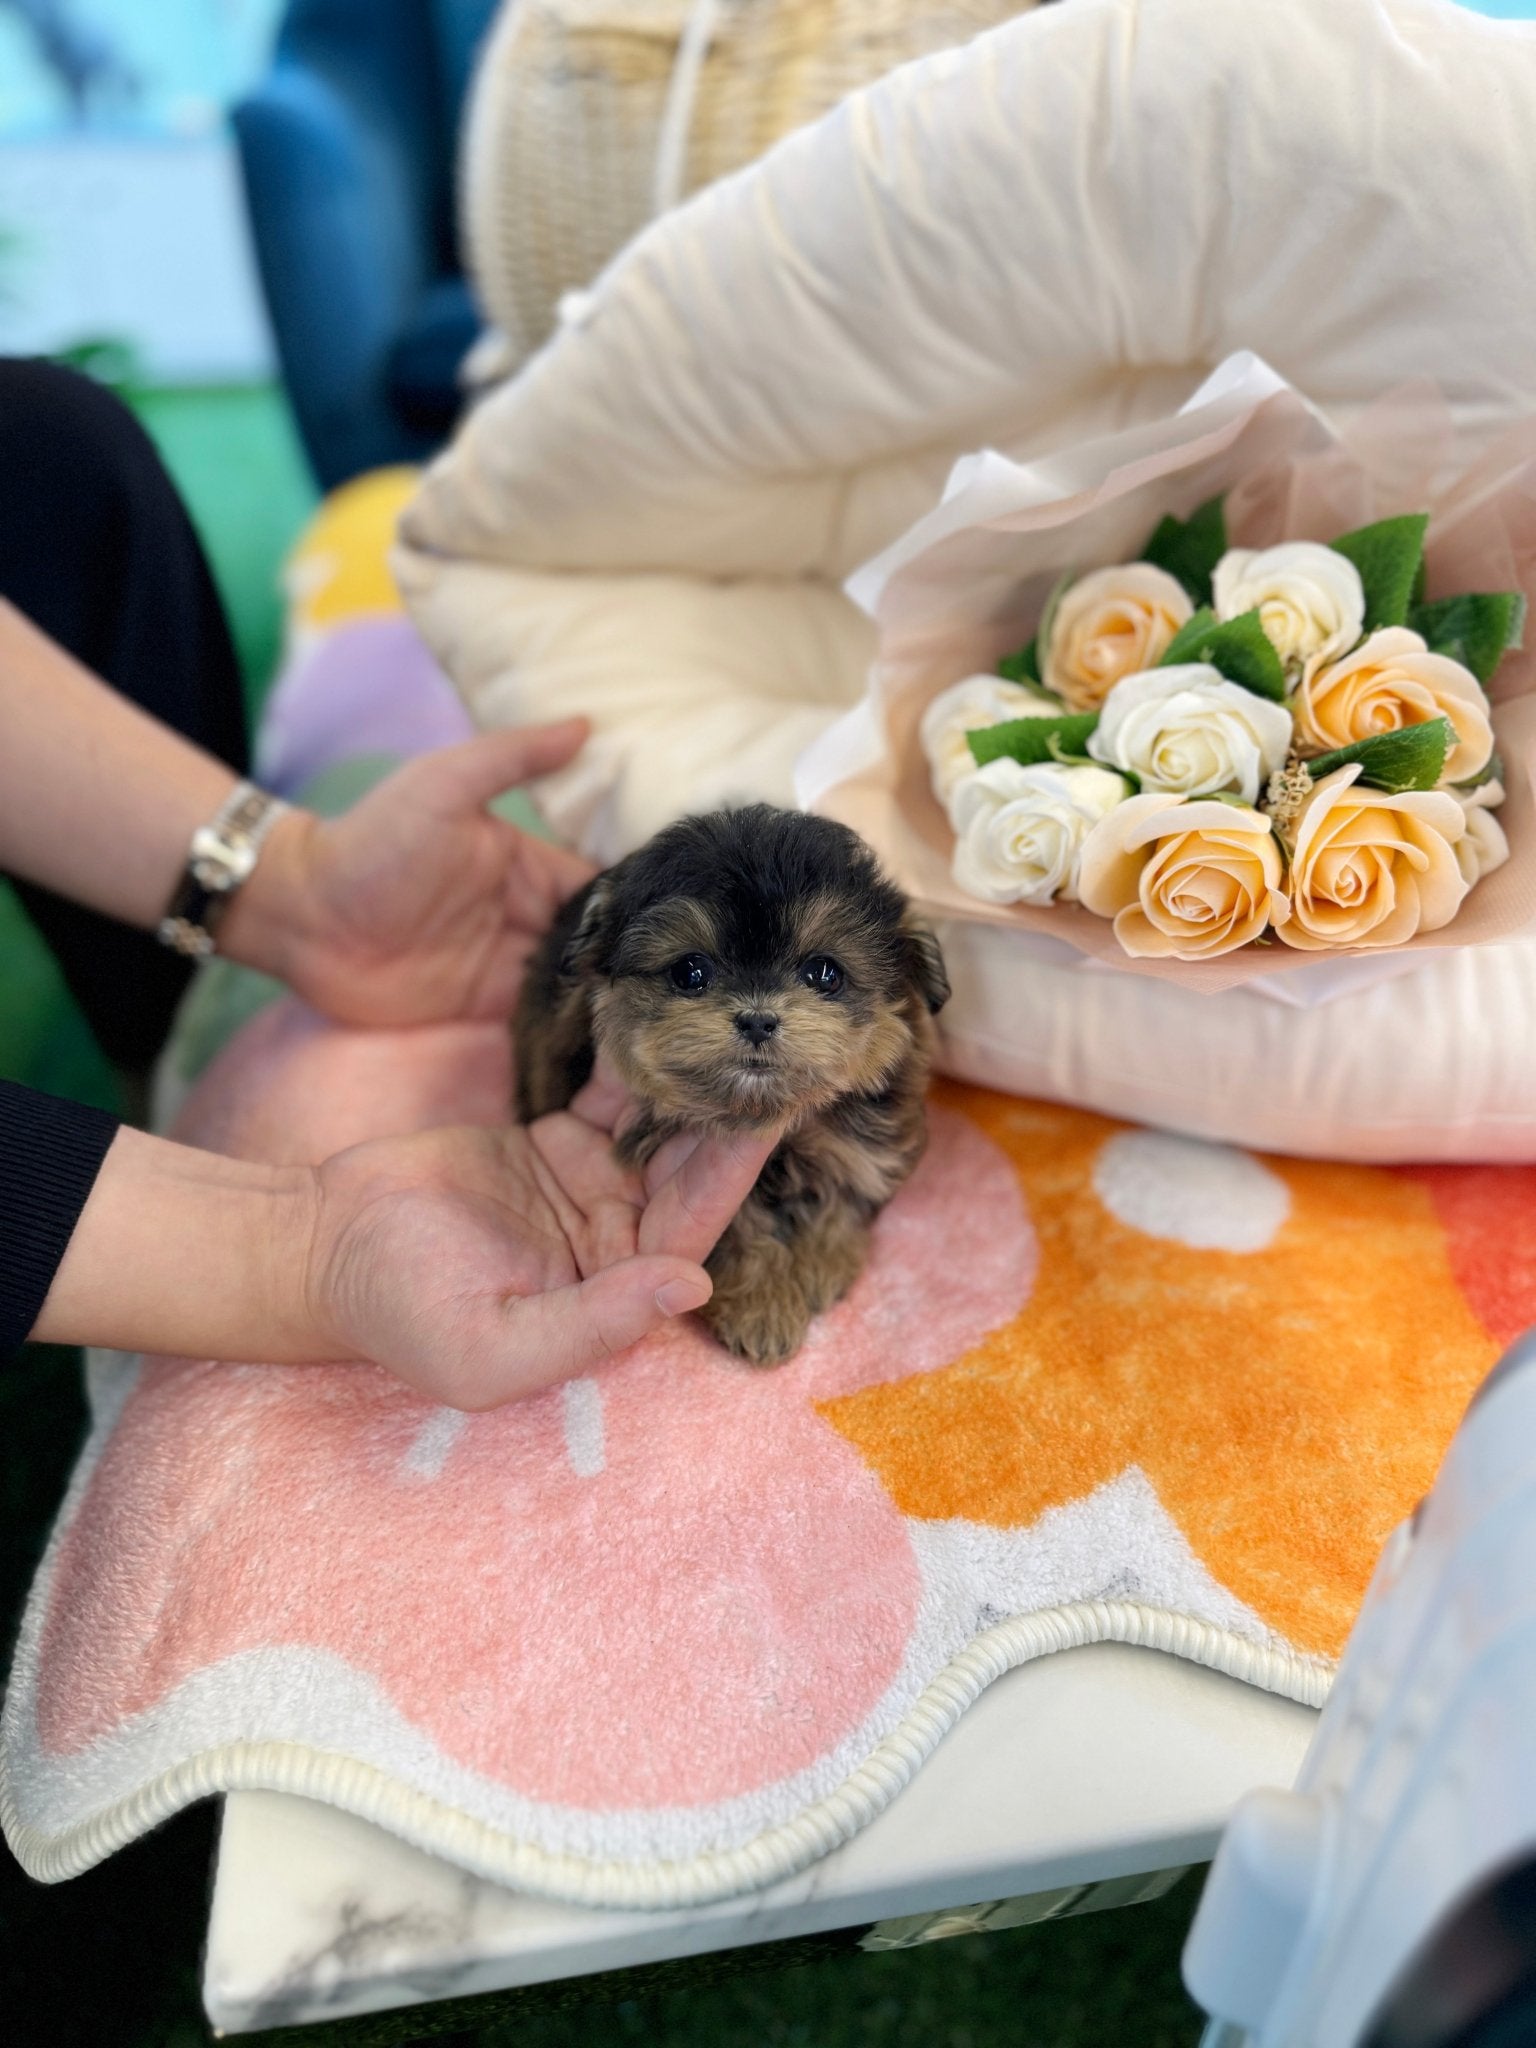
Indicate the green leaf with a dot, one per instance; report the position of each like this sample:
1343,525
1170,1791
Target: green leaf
1060,754
1023,667
1413,758
1032,739
1389,556
1240,648
1190,548
1199,624
1477,629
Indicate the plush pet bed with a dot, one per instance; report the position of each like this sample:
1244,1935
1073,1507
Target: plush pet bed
678,1628
1054,233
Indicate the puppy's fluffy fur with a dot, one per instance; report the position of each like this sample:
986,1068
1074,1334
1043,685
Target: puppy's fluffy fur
748,968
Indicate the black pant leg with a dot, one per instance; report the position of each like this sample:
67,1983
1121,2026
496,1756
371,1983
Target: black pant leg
97,549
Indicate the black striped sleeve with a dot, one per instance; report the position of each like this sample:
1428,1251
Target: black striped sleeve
50,1155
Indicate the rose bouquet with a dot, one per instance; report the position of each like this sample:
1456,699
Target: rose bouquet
1283,714
1217,746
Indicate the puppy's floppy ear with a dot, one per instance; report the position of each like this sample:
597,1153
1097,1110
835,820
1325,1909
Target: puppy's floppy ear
927,962
588,938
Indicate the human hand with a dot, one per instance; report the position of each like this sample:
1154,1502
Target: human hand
418,905
481,1265
476,1265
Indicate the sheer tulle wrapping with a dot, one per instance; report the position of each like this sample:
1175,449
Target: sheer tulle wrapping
967,585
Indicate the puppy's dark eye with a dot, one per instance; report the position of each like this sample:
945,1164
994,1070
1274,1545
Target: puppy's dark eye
822,973
691,975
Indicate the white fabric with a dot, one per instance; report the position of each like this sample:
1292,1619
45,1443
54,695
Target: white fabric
1052,232
1436,1065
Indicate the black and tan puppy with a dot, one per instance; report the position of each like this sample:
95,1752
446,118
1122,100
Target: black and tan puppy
747,968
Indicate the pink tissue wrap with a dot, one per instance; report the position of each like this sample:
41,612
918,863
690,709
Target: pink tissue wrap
966,587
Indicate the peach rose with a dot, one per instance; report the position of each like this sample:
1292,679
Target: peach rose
1390,681
1183,878
1109,624
1370,867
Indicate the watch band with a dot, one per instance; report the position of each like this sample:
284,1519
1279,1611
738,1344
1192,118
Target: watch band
222,855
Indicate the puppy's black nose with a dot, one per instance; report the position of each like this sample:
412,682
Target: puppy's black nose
756,1025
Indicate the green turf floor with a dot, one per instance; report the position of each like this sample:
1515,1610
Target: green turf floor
110,1960
234,454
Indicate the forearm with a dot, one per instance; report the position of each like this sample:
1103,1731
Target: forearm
192,1254
97,801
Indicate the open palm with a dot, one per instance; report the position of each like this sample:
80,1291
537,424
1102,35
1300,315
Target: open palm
419,904
480,1265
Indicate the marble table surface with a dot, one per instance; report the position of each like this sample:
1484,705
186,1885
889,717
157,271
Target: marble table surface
1094,1763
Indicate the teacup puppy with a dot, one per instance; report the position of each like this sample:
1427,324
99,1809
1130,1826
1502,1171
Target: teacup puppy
748,968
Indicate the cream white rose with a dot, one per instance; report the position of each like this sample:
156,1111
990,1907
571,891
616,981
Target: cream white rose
1020,831
1370,867
966,707
1310,600
1110,624
1183,879
1390,681
1188,730
1483,846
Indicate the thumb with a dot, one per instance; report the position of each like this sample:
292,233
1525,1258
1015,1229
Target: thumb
694,1193
553,1336
467,776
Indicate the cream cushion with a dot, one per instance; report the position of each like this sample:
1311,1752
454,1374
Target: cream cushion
1056,230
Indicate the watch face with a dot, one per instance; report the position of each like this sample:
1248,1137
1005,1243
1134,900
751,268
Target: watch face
218,863
220,858
240,857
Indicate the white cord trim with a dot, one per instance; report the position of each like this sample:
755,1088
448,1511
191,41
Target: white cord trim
777,1853
682,96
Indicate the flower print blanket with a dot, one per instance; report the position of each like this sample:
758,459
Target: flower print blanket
677,1628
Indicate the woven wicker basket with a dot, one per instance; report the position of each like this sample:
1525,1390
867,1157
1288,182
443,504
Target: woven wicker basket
591,116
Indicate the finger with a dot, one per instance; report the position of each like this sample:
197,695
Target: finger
597,1201
686,1216
494,996
590,1208
610,1237
465,777
554,1336
580,1155
671,1159
540,878
604,1099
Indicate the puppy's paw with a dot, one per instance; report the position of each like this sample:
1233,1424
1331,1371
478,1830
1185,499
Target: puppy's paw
828,1262
758,1308
764,1328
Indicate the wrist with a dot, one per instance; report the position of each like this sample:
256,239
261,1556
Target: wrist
191,1254
266,924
